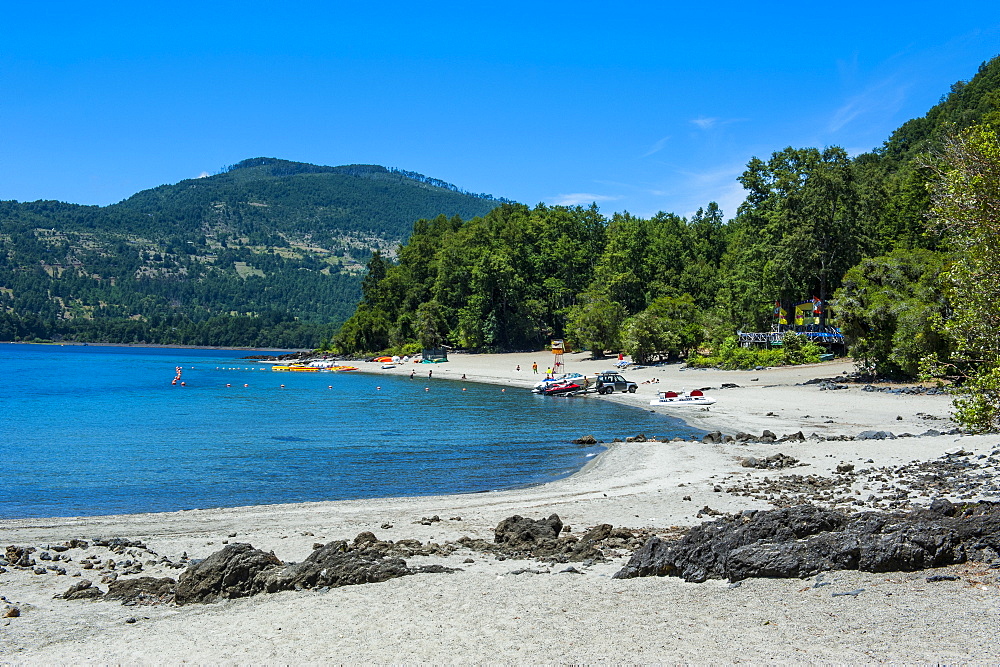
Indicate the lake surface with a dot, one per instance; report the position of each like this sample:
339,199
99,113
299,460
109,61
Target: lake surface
90,430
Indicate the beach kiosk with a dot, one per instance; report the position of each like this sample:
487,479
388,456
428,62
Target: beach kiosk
434,355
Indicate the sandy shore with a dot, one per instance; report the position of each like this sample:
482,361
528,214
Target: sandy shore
486,613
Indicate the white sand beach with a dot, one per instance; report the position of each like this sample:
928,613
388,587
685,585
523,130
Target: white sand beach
488,613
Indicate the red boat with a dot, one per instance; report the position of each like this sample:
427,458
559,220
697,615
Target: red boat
561,388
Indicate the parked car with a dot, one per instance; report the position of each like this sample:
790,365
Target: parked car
609,382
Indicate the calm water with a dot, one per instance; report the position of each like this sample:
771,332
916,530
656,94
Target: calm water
101,430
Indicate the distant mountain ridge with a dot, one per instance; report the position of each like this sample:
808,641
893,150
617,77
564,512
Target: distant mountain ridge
264,235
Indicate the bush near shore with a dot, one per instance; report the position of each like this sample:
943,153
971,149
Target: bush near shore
796,349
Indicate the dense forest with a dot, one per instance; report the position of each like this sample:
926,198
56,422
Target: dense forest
877,240
266,253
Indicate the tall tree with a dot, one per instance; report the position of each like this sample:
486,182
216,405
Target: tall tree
796,232
966,204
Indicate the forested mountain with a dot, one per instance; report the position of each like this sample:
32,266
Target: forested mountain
851,232
267,253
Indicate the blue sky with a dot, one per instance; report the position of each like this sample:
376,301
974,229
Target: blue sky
643,106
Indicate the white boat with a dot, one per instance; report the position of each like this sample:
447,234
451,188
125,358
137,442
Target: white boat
673,398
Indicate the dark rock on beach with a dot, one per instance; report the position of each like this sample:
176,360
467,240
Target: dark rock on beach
142,590
520,537
805,540
773,462
20,556
518,532
229,573
239,570
875,435
331,566
83,590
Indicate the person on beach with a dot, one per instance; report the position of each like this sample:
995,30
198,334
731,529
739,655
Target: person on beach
463,376
518,369
411,374
534,367
429,373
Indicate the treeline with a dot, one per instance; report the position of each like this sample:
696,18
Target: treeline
270,330
852,232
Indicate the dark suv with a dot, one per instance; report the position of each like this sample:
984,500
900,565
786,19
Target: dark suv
611,381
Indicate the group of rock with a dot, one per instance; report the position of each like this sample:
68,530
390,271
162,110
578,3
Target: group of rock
132,557
844,381
768,437
956,474
642,437
804,540
240,570
928,391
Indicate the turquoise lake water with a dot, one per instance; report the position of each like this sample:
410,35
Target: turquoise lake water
90,430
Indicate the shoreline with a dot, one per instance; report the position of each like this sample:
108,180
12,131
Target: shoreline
489,369
528,611
739,409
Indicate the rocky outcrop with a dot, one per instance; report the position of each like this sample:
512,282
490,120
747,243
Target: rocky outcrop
229,573
82,590
520,537
239,570
805,540
333,565
518,532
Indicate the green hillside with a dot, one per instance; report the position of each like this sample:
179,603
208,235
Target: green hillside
268,252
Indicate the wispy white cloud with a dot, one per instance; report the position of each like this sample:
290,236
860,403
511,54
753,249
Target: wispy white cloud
883,97
579,198
687,191
709,123
657,147
204,174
